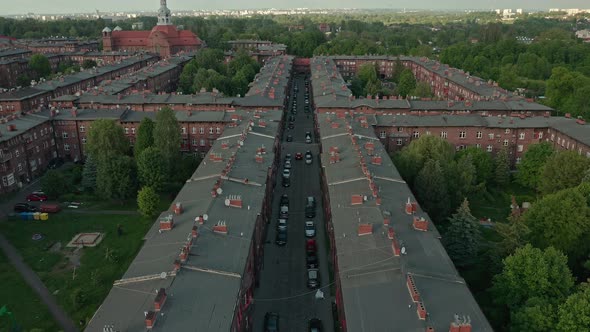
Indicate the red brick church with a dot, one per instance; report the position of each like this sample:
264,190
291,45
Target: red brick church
164,39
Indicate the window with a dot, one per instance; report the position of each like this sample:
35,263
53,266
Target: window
133,130
382,134
478,145
82,129
202,142
37,148
35,135
64,135
521,136
52,142
490,148
126,131
491,136
416,134
218,130
210,130
183,130
507,131
16,153
518,160
194,142
19,167
194,130
400,129
505,142
84,140
462,134
400,141
520,148
428,132
201,130
443,134
479,134
66,147
461,147
552,137
540,135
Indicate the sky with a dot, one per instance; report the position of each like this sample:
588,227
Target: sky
9,7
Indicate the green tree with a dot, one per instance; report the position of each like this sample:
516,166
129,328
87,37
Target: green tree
106,139
151,169
413,157
145,136
535,316
564,169
407,83
148,201
463,236
39,64
186,167
431,189
423,90
574,314
502,168
466,176
513,234
398,68
533,161
89,174
89,63
54,183
560,220
532,273
167,137
116,178
482,161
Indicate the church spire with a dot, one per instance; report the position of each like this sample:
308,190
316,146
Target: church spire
164,14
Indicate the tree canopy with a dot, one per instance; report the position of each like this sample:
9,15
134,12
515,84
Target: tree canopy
564,169
462,238
106,139
533,161
145,136
167,137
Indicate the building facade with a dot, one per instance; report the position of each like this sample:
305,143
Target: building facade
164,39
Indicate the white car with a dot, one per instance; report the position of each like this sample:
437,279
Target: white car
282,224
286,173
309,228
287,164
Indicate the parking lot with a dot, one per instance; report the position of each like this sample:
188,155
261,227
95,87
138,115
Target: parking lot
284,280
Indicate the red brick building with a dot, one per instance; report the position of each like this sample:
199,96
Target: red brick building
164,39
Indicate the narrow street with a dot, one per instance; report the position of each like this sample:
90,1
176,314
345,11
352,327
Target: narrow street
283,283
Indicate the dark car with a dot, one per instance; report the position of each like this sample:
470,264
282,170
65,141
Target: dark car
281,238
310,246
284,200
315,325
311,260
271,322
298,156
55,163
289,138
291,125
24,207
310,206
36,197
286,182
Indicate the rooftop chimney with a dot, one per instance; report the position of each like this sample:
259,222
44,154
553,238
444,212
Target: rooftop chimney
365,229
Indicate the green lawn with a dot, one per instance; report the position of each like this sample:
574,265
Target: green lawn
28,310
80,292
495,203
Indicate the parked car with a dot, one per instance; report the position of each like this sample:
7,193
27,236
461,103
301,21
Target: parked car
36,197
291,125
309,228
271,322
287,164
282,224
288,156
286,182
284,212
50,208
313,278
310,207
315,325
281,238
289,138
286,173
284,200
298,156
311,260
24,207
310,246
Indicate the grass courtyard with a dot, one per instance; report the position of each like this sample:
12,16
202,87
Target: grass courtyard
79,279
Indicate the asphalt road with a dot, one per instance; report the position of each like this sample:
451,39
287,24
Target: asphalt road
283,283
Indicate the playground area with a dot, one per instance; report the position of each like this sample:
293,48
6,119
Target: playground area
81,240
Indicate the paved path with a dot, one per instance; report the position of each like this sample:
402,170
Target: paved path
37,285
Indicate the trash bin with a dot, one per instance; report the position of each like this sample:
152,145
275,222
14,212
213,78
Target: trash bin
44,216
23,216
37,216
30,215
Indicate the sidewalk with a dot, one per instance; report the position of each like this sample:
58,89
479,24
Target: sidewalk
37,285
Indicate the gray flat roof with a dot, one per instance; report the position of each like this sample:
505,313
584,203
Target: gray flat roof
23,124
200,300
373,280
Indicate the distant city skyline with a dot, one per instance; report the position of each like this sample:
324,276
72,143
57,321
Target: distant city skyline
77,6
